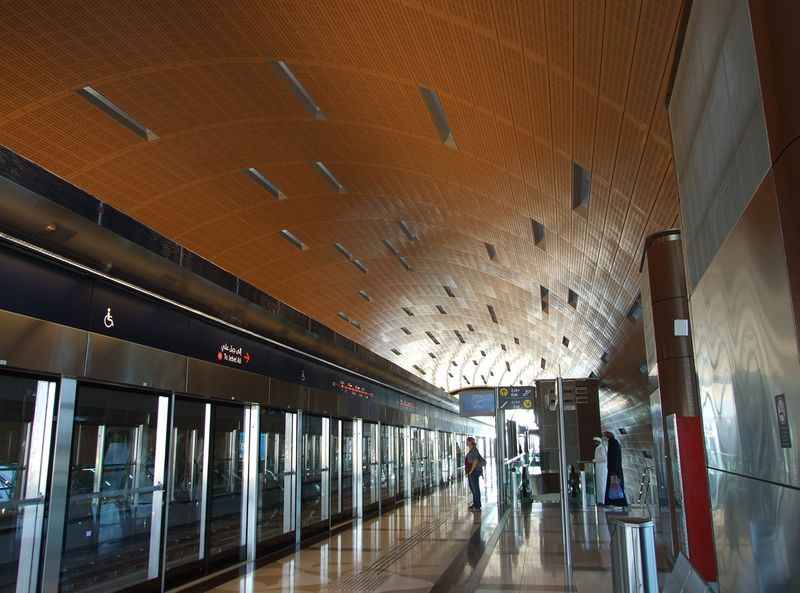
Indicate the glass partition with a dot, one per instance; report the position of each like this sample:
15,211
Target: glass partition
114,502
347,468
314,479
26,425
370,467
274,479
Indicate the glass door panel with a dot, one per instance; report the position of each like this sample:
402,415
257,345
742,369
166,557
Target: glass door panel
314,478
274,524
25,449
347,468
369,466
388,468
115,499
188,490
336,459
228,447
401,462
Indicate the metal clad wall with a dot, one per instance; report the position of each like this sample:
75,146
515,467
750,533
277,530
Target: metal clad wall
746,349
29,343
718,127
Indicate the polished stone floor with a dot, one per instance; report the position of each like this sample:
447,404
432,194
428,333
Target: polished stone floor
435,545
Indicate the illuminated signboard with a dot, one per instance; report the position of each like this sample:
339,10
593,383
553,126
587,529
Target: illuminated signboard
352,389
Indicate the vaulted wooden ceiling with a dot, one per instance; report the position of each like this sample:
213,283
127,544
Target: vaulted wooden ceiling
529,87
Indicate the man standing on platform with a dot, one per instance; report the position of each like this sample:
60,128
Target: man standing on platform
473,466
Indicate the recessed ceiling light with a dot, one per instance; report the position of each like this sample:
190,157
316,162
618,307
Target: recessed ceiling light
516,341
438,116
543,363
329,177
508,366
360,265
406,331
475,362
483,379
544,294
470,327
51,227
299,90
492,314
431,354
441,309
538,233
419,369
449,291
391,247
483,353
491,251
405,263
503,348
395,351
408,311
459,336
261,179
466,380
454,363
343,316
365,295
294,240
102,102
355,323
565,341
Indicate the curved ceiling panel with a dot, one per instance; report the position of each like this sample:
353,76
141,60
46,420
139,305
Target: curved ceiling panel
488,169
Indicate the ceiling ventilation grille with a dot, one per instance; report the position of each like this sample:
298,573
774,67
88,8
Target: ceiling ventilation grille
102,102
299,90
329,177
581,188
293,240
265,183
438,116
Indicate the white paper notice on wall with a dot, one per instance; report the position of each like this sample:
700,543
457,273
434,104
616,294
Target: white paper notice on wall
681,327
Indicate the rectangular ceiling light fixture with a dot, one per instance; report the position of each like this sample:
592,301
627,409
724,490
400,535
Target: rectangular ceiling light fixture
483,378
465,379
432,355
395,351
329,177
406,331
503,348
475,362
508,366
454,363
408,311
491,373
406,265
538,234
492,314
343,316
544,294
581,188
411,235
543,364
441,309
294,240
450,375
355,324
102,102
491,251
360,265
483,353
260,179
299,90
470,327
419,369
449,291
365,295
516,341
438,116
343,250
572,298
565,342
459,336
433,338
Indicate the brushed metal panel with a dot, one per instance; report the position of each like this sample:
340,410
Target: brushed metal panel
214,380
756,534
746,348
38,345
288,396
111,359
322,402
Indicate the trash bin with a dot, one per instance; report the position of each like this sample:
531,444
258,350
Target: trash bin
633,555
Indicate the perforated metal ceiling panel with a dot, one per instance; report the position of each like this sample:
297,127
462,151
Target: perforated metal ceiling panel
528,89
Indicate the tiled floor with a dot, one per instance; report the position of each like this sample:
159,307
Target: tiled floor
435,545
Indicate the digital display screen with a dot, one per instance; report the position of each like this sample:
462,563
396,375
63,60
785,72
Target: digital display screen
477,403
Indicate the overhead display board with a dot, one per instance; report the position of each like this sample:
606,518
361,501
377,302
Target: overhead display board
477,402
516,397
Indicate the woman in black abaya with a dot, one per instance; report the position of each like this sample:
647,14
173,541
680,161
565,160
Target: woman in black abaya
615,472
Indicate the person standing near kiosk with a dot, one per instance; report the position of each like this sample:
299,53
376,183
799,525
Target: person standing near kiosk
600,470
473,466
